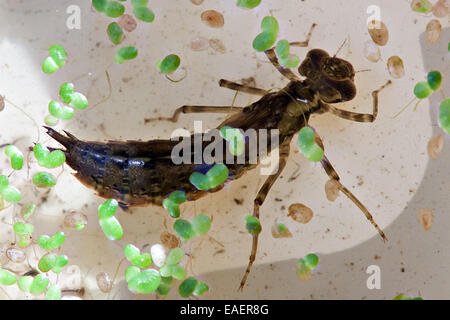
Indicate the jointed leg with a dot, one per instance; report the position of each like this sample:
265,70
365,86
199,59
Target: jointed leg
358,117
195,109
242,88
260,197
285,71
334,175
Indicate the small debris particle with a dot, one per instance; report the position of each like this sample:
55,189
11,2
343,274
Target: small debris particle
435,146
212,19
300,213
426,218
127,22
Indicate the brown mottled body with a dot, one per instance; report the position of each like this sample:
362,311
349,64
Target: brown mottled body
139,173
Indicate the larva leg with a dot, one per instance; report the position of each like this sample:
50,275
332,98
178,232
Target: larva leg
358,117
195,109
285,71
242,88
259,200
334,175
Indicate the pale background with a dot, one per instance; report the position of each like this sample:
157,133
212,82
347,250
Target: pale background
384,163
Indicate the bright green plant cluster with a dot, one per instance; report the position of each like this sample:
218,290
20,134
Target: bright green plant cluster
173,201
444,115
145,281
402,296
16,157
7,278
169,64
44,180
34,285
51,243
125,53
9,193
424,89
215,176
252,225
56,59
306,265
141,11
235,138
108,222
133,254
171,268
23,231
421,6
269,33
308,146
285,58
52,262
48,159
115,33
199,226
68,95
112,9
248,4
192,286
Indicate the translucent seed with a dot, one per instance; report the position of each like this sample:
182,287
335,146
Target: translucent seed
253,225
372,51
115,32
23,229
378,32
433,31
199,44
39,284
217,175
49,66
444,115
60,111
51,120
395,67
217,45
44,180
175,256
212,18
146,281
422,90
139,3
53,293
58,54
75,220
279,230
16,157
65,92
248,4
11,194
113,9
111,228
158,254
24,283
332,189
200,289
300,213
184,229
435,146
15,255
108,208
201,224
426,217
434,79
125,53
422,6
187,287
169,240
270,24
79,101
178,272
144,14
127,22
264,41
169,64
104,282
441,8
99,5
7,278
